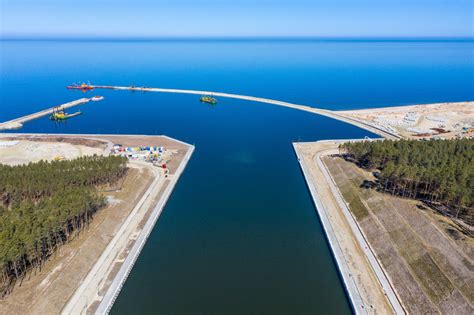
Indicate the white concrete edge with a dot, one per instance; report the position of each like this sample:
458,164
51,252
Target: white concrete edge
374,262
18,122
150,223
12,134
77,295
349,284
127,266
323,112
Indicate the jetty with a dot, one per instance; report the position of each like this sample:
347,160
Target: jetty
319,111
18,122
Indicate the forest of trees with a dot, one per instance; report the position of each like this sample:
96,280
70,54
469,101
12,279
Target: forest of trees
437,171
43,205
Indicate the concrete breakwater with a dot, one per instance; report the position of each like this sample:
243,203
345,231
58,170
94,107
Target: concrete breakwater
118,282
18,122
324,112
99,289
368,287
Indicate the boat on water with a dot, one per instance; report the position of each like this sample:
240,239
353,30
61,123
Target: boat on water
82,87
97,98
208,99
60,115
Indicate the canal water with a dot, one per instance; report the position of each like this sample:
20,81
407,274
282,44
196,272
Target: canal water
240,234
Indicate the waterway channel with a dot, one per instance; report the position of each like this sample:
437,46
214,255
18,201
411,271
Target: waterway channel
239,234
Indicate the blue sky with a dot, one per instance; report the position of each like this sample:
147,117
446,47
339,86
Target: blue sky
220,18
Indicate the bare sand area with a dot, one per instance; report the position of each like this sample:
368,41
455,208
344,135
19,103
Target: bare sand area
441,120
25,151
77,277
428,259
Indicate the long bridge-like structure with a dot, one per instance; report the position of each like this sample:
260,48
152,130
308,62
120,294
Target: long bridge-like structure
319,111
18,122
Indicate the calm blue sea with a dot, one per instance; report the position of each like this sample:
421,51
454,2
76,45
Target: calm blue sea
240,234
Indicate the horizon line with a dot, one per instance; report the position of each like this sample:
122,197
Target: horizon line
235,38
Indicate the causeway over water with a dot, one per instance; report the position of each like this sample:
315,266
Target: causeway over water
314,110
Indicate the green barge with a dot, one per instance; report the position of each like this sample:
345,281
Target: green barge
208,99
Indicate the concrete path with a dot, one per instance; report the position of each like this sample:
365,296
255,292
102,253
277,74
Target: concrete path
367,285
87,293
18,122
314,110
119,280
97,291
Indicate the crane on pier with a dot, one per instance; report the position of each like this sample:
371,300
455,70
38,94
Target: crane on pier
83,87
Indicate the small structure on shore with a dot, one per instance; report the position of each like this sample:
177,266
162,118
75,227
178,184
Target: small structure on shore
152,154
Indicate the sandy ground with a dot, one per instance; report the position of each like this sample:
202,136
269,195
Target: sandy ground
421,121
26,151
367,285
429,261
70,146
90,292
48,291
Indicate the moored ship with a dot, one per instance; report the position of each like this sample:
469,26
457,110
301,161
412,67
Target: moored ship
208,99
59,114
83,87
97,98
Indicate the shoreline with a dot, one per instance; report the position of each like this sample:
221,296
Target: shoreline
354,257
95,288
12,124
119,280
348,283
314,110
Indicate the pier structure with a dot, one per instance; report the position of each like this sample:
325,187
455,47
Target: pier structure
18,122
319,111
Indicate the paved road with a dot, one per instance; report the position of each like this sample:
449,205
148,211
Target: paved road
88,291
364,245
366,283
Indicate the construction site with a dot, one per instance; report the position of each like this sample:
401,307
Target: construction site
427,121
86,274
94,280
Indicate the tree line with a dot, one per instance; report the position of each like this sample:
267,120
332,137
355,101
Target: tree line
437,171
43,205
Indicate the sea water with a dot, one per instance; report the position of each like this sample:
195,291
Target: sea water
240,234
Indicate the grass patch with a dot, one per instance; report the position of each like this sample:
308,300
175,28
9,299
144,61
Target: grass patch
430,268
349,193
436,285
468,289
428,275
355,204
